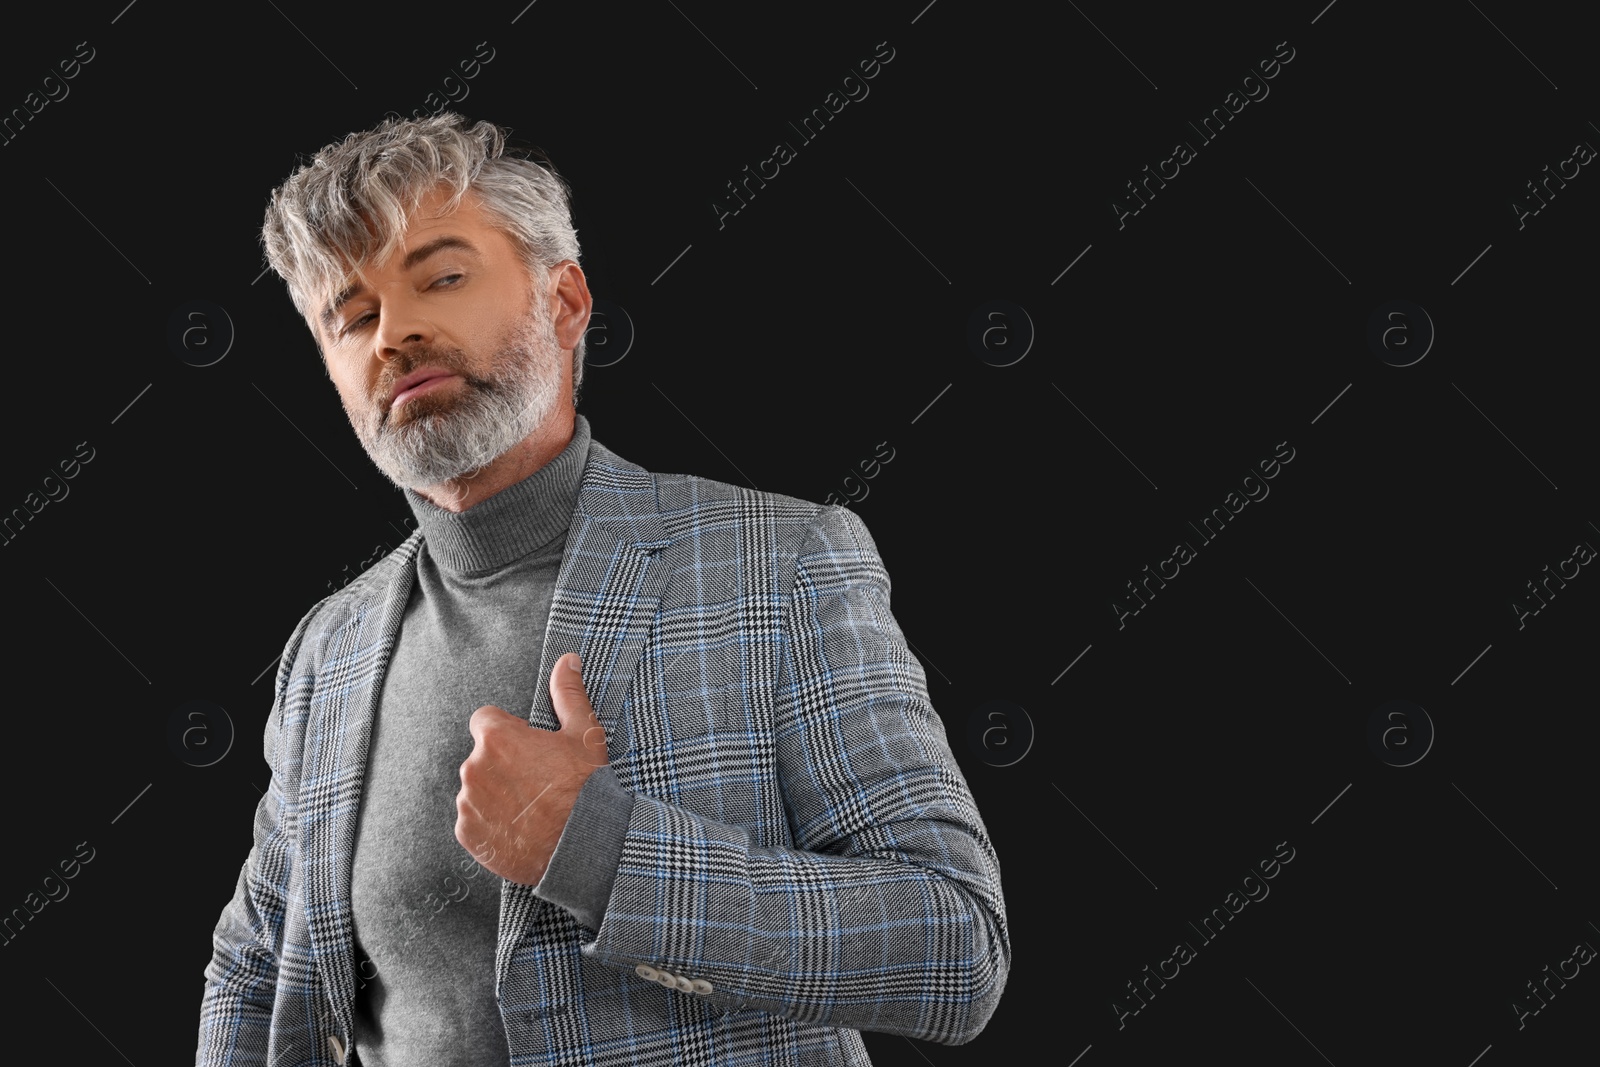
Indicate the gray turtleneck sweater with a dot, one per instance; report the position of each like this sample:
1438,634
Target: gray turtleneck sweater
425,913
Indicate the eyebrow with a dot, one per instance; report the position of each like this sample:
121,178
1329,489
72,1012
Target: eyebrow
415,256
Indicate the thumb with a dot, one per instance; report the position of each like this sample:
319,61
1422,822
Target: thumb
568,695
573,708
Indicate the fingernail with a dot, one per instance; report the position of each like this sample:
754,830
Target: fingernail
575,664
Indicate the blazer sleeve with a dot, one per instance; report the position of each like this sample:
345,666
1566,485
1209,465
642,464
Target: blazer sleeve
242,977
887,914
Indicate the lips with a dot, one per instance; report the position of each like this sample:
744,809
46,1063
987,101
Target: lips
416,382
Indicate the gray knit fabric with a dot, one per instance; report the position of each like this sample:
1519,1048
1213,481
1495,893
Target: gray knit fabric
426,913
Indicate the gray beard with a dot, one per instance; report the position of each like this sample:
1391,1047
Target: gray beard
441,438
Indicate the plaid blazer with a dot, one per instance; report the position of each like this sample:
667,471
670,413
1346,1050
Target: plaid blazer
804,859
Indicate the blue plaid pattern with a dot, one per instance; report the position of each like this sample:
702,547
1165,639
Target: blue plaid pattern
803,849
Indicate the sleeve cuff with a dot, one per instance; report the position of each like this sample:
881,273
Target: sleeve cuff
583,867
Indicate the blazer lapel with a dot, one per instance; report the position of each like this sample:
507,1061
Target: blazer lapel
343,709
607,592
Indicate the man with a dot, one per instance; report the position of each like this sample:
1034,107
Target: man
735,831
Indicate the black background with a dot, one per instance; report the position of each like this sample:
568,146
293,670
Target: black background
831,316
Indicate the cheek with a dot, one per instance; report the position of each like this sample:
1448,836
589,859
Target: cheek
353,392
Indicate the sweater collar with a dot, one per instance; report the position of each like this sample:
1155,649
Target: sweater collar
531,515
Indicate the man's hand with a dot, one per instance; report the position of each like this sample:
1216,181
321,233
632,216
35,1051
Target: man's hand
519,784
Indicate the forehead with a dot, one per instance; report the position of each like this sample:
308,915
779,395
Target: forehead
428,220
430,212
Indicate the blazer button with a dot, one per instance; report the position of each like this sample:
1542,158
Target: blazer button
666,979
701,986
683,984
337,1048
645,971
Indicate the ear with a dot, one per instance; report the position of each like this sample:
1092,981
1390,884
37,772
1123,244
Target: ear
568,291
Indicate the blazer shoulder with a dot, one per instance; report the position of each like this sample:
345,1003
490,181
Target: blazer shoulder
691,503
364,591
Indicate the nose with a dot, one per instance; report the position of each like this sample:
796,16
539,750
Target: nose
401,325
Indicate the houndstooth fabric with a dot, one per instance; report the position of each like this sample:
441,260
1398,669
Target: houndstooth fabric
804,859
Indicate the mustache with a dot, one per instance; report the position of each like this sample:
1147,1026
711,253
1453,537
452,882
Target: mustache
381,411
399,370
515,351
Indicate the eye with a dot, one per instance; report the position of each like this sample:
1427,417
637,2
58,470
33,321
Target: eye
361,320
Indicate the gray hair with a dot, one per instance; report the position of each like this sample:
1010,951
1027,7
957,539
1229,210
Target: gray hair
350,204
